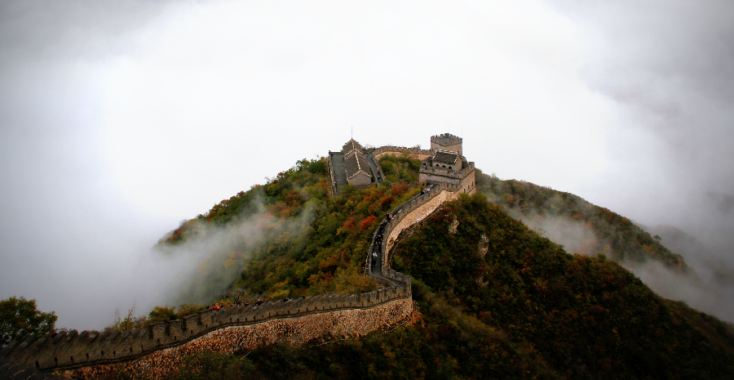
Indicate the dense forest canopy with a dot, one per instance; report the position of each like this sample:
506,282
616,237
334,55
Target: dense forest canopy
587,316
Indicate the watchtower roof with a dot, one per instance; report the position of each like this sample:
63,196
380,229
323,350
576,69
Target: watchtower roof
445,157
356,163
350,146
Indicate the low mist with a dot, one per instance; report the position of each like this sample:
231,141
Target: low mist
709,289
215,256
115,264
574,235
209,260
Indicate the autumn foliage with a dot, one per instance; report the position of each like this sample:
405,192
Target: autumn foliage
366,222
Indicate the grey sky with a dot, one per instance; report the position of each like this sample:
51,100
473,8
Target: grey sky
119,119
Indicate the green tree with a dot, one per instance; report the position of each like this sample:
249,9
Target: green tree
130,322
162,314
19,319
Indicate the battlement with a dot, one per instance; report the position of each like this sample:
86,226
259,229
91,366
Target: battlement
68,350
444,172
446,139
447,142
408,213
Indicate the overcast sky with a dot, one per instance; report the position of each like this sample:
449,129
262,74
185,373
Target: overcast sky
119,119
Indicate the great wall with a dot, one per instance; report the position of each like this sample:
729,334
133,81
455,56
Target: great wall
158,350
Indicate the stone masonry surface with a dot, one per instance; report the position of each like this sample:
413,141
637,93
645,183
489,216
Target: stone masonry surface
17,371
296,331
398,150
71,350
417,215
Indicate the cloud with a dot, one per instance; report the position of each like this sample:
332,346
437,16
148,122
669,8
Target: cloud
575,236
667,66
709,288
699,294
212,257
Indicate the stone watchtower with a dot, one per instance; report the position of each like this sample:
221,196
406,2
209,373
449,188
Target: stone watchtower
447,164
447,142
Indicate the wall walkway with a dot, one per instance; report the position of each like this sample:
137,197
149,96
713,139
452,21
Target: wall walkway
405,216
416,153
354,314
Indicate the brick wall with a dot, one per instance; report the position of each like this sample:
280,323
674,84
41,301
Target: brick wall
91,348
295,330
417,212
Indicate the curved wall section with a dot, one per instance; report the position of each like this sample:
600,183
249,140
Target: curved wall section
294,330
415,211
91,348
404,216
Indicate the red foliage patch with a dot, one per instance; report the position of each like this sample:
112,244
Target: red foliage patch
349,223
399,188
367,221
293,198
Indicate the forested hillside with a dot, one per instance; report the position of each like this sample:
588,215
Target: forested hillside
612,235
321,251
588,317
494,298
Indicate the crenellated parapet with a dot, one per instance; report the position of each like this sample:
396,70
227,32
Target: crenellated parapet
446,139
458,175
464,179
68,350
404,216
